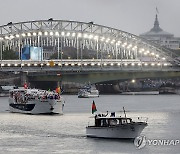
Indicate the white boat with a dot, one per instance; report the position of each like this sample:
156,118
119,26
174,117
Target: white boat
168,90
35,101
141,93
115,127
88,92
4,90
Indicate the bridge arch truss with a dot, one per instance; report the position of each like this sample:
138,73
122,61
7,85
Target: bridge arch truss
103,43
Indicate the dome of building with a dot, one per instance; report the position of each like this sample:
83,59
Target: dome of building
159,36
156,31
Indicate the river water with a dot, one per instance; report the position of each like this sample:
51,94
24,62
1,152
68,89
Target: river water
46,134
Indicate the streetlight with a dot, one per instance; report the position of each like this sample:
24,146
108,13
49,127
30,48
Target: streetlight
133,80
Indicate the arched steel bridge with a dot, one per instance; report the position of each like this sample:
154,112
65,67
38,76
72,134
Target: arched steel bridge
105,46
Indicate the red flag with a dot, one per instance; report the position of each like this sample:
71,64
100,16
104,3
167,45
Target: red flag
93,107
58,90
25,85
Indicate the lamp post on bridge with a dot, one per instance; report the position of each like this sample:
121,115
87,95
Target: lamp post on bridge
1,48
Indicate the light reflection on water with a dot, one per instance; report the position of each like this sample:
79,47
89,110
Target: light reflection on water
21,133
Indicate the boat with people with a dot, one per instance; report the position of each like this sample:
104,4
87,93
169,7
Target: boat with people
88,91
35,101
113,126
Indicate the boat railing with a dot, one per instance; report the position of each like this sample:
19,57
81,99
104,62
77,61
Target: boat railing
140,119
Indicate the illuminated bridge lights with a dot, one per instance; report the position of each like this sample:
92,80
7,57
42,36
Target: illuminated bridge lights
119,42
145,64
157,55
118,64
105,64
129,46
68,34
11,36
111,64
51,33
23,34
90,36
92,64
88,63
145,53
87,36
152,64
66,64
34,34
17,35
112,42
29,34
62,33
125,64
96,37
73,34
101,39
79,35
40,33
45,33
107,40
152,53
57,33
6,37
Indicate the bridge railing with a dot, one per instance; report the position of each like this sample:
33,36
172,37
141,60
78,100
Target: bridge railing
85,65
73,62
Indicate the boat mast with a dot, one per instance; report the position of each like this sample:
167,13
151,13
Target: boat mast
125,113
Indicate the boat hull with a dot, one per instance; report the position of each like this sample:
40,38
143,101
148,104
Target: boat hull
37,107
127,131
87,96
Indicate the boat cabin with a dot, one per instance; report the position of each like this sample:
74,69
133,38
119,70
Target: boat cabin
111,121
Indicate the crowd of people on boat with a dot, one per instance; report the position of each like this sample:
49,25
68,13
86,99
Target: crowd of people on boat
23,96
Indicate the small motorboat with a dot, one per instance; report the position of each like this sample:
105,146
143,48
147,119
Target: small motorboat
115,127
88,92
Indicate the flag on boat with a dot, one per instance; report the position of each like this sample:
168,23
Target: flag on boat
93,107
25,85
58,90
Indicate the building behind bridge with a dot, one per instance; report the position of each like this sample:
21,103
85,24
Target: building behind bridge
159,36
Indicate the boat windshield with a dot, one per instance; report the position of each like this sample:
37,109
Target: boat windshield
111,121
